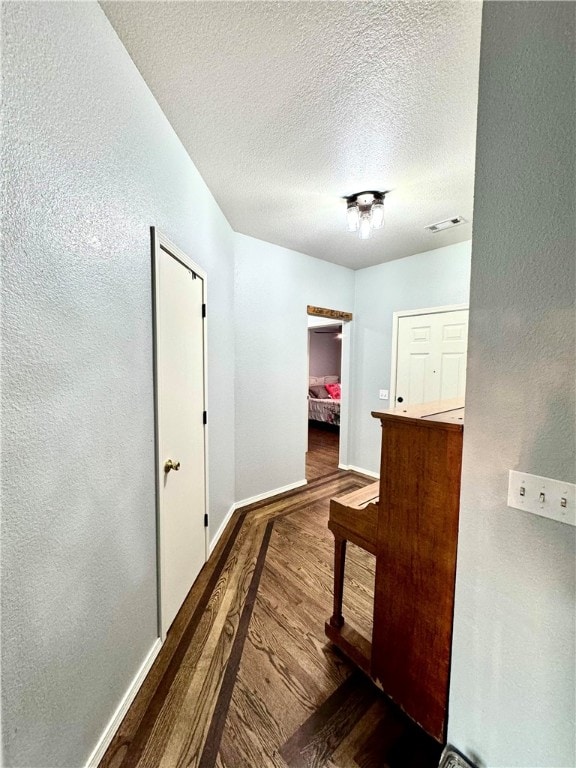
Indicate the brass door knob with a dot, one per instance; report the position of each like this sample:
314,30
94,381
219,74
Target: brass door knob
168,465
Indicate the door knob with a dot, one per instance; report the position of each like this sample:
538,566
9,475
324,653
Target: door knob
168,465
400,399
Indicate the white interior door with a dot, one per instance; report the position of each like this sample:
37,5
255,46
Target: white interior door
179,293
431,357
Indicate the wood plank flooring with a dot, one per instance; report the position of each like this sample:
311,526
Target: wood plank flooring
246,677
322,456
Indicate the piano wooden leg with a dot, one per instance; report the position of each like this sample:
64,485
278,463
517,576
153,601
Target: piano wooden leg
337,620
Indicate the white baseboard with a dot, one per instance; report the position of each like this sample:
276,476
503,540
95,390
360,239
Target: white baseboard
245,503
269,494
127,699
221,529
360,471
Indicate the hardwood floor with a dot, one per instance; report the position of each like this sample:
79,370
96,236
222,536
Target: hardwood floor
322,456
246,677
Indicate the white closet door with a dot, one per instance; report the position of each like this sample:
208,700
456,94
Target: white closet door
180,378
431,357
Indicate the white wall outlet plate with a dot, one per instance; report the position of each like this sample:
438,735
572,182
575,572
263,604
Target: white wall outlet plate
384,395
542,496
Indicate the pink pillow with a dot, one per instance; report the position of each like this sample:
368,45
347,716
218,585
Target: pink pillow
333,390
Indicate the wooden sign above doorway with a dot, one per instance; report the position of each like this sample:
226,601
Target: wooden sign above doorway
333,314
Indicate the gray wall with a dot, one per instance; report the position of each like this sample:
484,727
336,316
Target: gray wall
91,162
273,288
513,684
433,279
325,352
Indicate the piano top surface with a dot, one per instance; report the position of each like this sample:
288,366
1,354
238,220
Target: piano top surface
440,412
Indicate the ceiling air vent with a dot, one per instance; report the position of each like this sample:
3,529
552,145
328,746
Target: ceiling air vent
446,224
451,758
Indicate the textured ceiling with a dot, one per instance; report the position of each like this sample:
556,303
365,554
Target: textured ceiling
285,107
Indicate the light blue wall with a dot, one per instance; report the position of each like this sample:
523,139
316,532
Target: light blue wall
433,279
90,162
273,288
513,683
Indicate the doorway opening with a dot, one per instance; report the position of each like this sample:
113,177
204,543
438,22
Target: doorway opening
325,342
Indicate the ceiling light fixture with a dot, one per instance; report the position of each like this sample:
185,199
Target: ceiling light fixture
365,213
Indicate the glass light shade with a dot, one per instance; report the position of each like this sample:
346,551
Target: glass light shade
352,217
377,214
365,227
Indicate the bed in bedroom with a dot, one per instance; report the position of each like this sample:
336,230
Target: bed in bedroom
324,400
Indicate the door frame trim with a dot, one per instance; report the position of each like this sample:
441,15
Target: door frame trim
159,243
395,323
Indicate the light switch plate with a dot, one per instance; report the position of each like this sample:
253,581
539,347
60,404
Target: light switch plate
542,496
383,394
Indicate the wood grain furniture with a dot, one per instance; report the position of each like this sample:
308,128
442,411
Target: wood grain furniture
412,528
353,517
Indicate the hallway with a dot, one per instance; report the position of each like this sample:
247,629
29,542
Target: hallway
246,677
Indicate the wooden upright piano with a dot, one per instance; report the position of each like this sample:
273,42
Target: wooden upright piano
409,520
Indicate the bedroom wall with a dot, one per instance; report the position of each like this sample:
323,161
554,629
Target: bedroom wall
432,279
90,162
325,352
273,288
513,683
